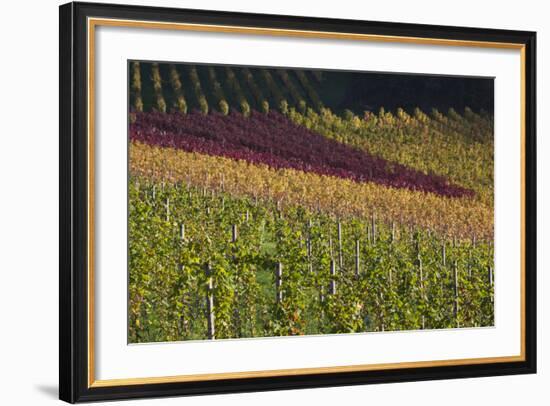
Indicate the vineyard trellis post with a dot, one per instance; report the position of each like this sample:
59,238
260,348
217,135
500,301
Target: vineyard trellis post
332,290
234,233
236,313
279,282
183,320
340,256
373,228
455,283
210,303
490,276
367,231
309,256
357,259
420,279
443,262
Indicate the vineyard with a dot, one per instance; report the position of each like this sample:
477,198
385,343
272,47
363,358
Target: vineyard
256,211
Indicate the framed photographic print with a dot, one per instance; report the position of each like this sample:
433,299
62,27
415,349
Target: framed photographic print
256,202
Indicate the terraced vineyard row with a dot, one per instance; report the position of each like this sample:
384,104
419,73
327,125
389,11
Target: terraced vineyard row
253,269
255,210
185,88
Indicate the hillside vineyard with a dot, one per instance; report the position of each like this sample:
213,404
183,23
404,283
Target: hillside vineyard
263,202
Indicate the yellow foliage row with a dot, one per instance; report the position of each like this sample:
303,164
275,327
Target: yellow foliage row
459,148
462,218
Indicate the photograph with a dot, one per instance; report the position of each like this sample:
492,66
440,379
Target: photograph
286,201
258,201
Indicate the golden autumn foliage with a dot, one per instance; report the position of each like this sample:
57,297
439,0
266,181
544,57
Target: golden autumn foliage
457,147
461,218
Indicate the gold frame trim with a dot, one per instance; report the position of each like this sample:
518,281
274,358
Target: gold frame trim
94,22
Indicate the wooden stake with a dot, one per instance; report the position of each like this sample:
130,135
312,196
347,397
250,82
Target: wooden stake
340,257
357,259
455,277
183,321
210,303
373,227
279,282
421,276
332,290
490,276
234,233
308,245
368,233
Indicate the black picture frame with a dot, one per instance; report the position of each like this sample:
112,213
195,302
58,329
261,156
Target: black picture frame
74,199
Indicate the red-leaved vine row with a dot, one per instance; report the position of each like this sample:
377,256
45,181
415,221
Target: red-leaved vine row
274,140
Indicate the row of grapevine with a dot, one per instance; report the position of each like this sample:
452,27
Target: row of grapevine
265,90
460,217
274,140
180,103
160,103
312,93
217,92
135,86
234,85
197,88
274,91
288,84
261,84
261,101
426,143
204,264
